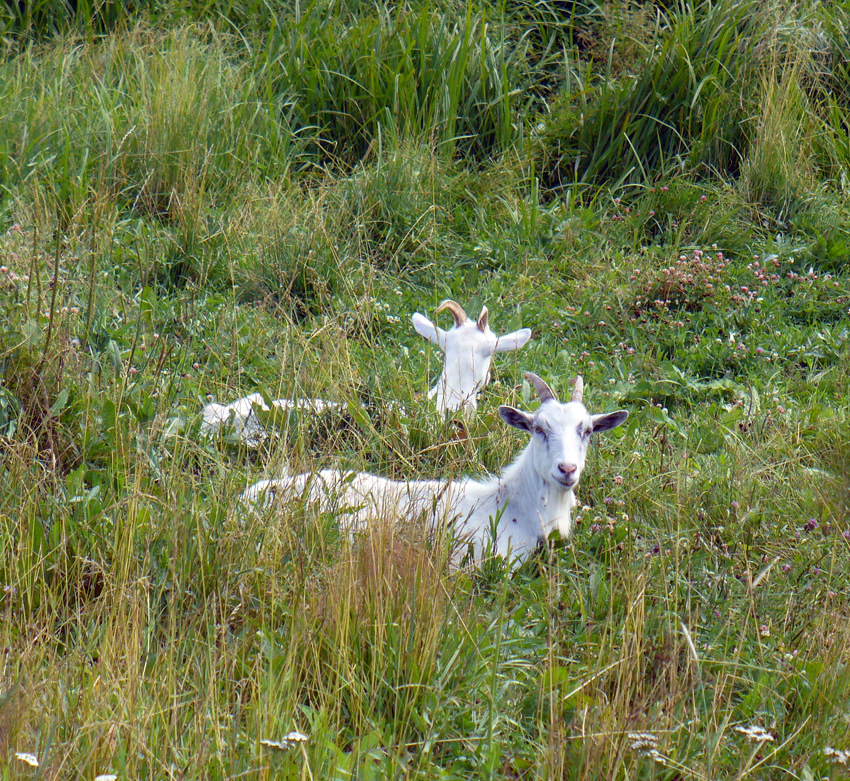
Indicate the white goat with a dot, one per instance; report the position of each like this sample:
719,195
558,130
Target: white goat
240,417
469,348
531,498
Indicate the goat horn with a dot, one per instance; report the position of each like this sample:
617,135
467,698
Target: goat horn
578,391
543,390
482,319
456,309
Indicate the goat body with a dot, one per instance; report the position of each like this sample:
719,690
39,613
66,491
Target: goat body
240,417
532,497
527,512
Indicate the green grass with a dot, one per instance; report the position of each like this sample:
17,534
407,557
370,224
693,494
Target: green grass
203,206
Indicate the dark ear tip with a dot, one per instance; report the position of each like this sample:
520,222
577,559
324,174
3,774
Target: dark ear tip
515,418
509,415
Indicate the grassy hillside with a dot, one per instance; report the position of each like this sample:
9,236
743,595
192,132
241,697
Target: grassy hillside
199,202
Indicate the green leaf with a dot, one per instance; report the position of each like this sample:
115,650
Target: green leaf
109,421
147,303
113,352
61,401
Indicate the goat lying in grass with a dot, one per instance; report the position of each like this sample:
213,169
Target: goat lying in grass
241,419
531,498
469,348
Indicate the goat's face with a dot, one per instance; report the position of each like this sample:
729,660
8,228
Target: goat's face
469,348
560,434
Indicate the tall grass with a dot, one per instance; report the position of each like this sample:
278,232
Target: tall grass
689,101
156,121
192,212
21,20
681,100
420,72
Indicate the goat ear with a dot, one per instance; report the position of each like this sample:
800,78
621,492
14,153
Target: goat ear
516,417
424,327
608,420
510,342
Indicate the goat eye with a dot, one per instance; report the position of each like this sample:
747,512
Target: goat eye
540,430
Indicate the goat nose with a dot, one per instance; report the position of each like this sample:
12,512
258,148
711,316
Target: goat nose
567,470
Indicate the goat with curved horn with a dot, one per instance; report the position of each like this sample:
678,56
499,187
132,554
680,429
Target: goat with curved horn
469,348
531,497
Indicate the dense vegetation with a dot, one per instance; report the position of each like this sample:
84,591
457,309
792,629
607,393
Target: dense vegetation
200,200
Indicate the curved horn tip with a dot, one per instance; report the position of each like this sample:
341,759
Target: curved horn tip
483,319
543,390
455,308
578,390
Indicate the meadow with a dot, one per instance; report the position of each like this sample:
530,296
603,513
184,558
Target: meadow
198,201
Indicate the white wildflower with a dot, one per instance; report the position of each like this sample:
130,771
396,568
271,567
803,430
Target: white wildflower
106,777
289,740
755,733
836,756
646,745
29,759
642,742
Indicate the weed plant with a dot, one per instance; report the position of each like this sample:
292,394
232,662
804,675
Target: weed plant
198,205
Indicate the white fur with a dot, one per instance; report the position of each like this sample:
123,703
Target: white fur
468,352
469,348
240,417
531,498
